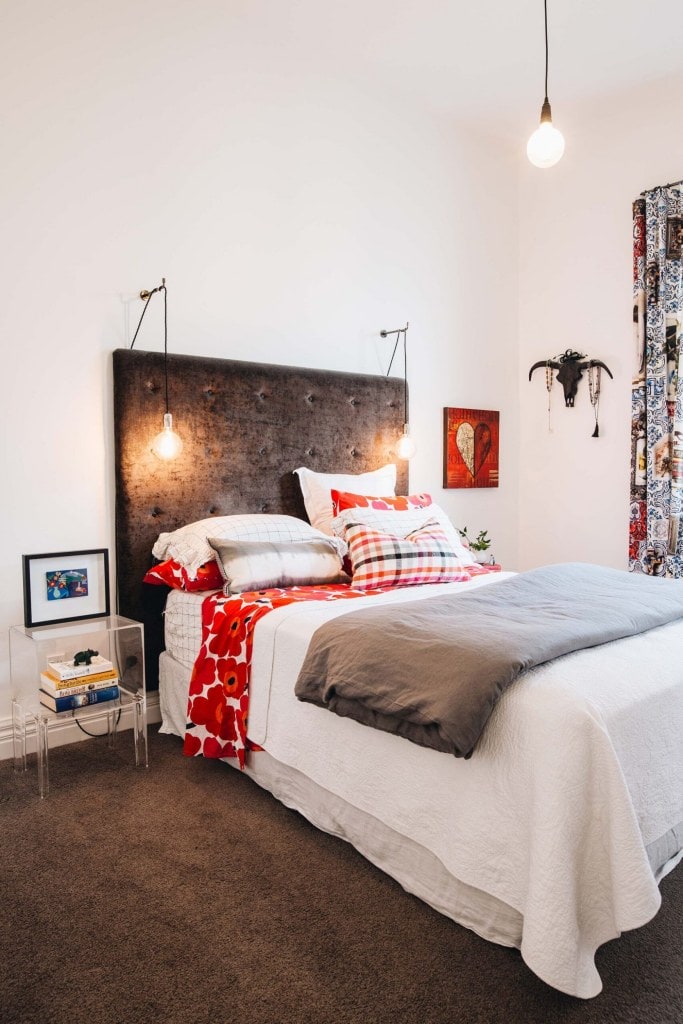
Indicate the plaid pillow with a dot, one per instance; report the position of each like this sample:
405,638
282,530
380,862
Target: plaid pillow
381,560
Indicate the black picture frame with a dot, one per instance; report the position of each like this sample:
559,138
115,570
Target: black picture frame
674,238
65,586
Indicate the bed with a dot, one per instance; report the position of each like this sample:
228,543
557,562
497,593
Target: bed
553,837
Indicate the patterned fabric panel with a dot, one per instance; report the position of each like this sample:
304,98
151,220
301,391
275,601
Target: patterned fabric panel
655,531
424,556
219,687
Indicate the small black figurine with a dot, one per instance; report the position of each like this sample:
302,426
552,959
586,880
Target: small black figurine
85,657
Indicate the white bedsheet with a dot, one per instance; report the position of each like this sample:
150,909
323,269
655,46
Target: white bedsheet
579,769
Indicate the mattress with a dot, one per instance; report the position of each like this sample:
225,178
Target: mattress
567,815
183,626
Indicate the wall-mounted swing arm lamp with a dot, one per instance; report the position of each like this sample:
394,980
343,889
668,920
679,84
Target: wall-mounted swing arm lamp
405,448
546,145
166,445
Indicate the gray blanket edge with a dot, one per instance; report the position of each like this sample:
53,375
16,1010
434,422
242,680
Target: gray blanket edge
472,646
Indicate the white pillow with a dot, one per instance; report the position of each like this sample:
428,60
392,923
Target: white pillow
400,524
190,546
316,488
259,565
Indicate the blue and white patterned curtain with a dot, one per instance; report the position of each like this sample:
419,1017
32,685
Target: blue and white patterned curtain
656,532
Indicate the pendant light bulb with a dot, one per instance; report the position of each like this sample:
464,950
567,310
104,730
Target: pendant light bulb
546,145
405,449
167,445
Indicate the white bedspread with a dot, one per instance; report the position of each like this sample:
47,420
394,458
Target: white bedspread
579,769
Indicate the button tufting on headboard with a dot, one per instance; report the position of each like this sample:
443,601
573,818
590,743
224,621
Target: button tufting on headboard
245,428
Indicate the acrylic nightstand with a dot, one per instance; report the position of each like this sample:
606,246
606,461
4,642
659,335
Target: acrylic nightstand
118,639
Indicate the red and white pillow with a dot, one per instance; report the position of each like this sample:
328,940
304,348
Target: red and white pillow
342,500
382,559
172,574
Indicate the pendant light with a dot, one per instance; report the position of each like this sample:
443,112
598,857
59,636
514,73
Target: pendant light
405,448
166,445
546,145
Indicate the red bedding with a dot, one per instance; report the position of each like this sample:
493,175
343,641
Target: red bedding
219,688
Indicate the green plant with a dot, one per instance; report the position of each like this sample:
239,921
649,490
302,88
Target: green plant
479,543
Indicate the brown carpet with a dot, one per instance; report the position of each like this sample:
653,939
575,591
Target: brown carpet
185,894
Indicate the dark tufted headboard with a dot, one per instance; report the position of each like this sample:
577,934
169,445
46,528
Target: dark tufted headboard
245,427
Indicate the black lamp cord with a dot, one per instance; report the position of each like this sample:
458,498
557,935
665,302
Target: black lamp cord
545,11
400,331
160,288
96,735
405,378
163,285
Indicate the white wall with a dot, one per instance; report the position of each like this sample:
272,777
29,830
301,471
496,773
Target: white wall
575,247
294,214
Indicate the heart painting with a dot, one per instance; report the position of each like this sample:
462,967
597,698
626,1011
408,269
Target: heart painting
470,448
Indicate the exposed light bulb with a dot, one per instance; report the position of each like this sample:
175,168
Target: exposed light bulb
167,445
405,449
546,145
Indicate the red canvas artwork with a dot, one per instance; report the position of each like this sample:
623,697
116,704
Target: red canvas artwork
470,448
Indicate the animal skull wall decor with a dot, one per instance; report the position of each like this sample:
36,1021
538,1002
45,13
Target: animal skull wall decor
570,368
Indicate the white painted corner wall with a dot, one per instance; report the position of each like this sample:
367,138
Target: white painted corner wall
575,258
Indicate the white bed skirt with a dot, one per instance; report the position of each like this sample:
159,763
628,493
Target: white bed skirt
415,868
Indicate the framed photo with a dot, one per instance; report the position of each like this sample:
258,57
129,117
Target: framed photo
65,586
470,447
674,238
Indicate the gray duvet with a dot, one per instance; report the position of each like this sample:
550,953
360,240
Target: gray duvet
433,669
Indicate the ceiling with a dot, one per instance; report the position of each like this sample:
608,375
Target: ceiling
482,59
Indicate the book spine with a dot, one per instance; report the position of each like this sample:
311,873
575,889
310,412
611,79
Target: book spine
66,671
61,684
54,689
78,700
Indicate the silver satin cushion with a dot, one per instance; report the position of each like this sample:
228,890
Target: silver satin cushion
259,565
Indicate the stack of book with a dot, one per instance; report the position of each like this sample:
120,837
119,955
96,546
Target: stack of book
65,686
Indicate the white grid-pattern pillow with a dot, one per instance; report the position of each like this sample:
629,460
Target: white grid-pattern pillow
190,546
381,560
